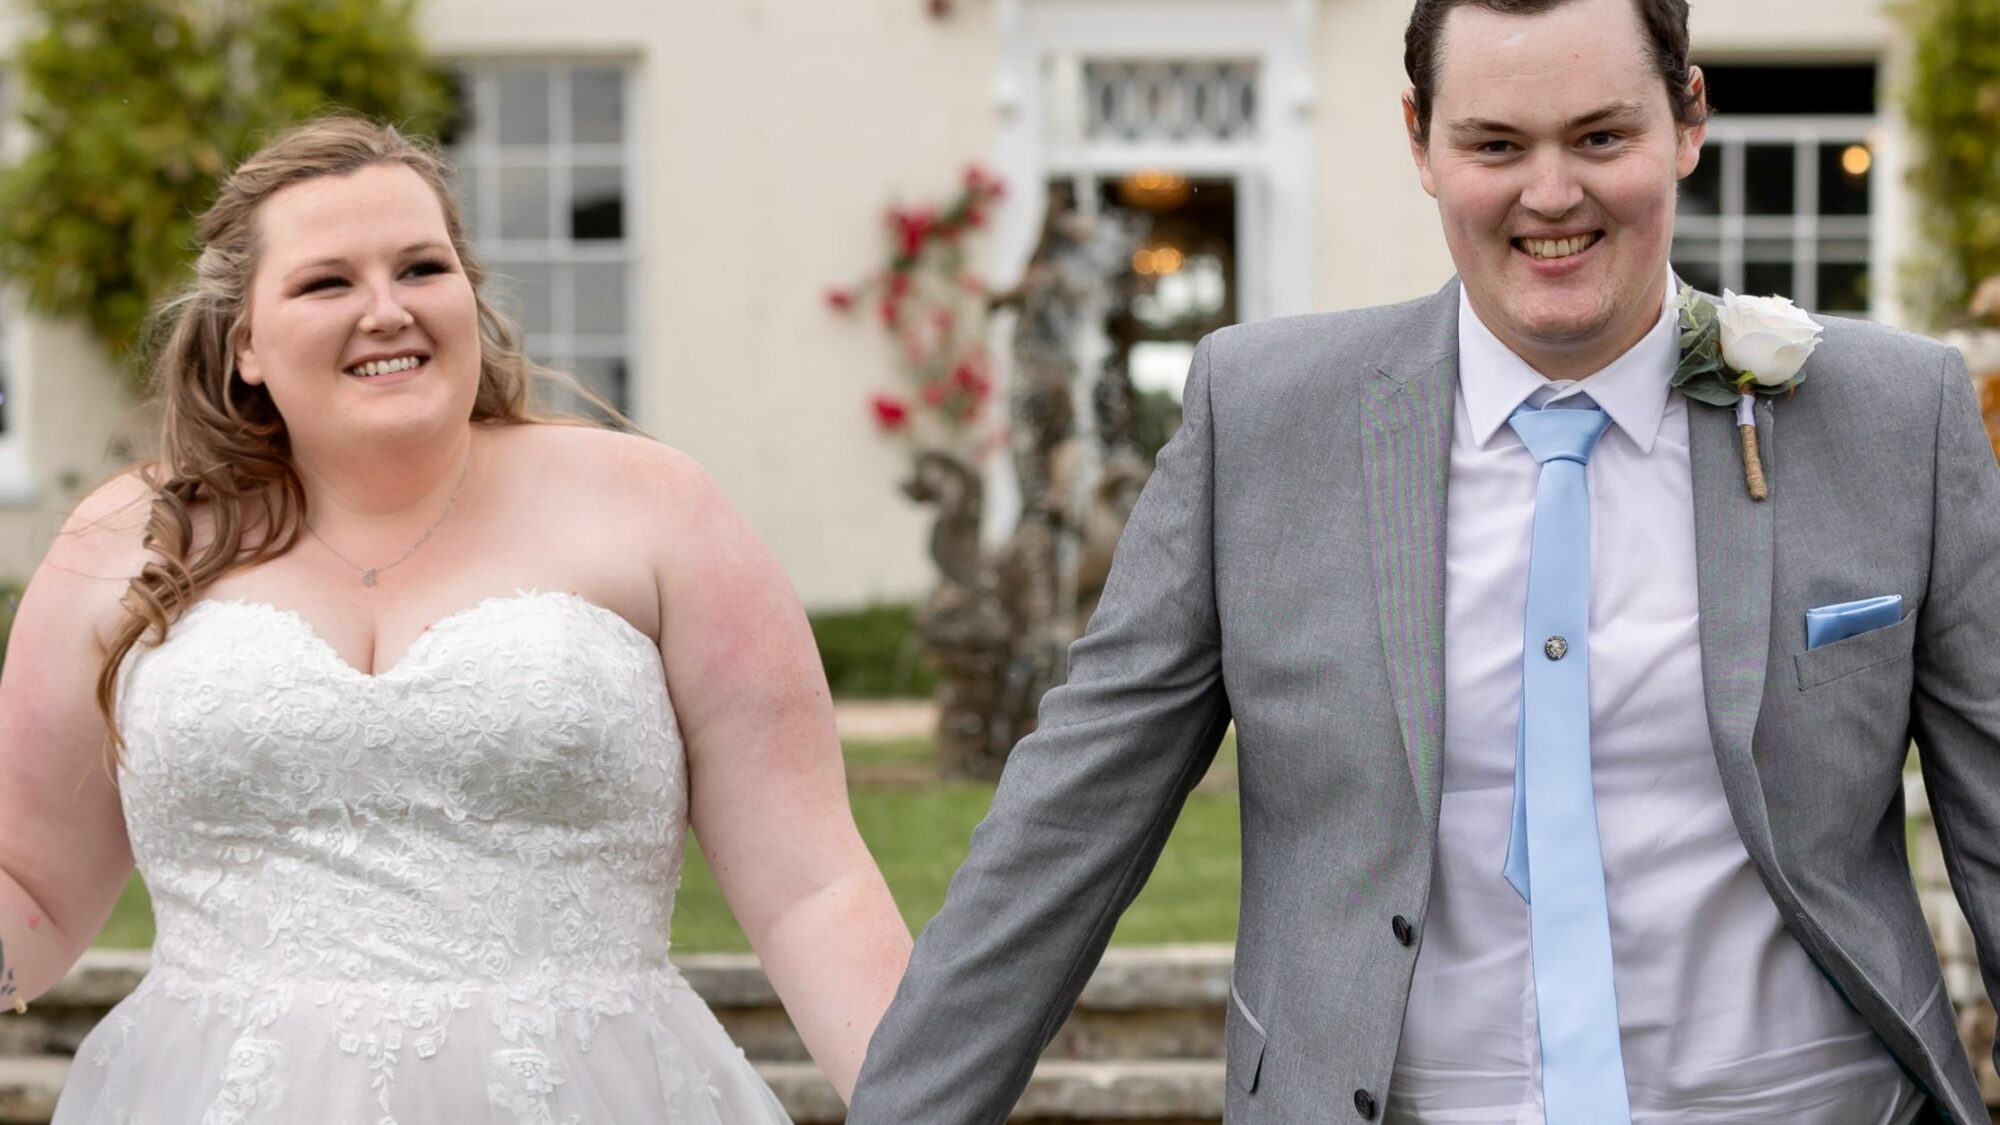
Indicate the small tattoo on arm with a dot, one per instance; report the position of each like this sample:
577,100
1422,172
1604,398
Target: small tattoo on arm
8,996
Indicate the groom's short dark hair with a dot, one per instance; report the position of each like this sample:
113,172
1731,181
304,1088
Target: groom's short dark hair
1665,21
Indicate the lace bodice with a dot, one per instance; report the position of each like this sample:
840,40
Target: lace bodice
495,823
508,800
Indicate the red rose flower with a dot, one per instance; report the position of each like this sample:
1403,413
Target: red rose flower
890,412
840,300
971,380
912,227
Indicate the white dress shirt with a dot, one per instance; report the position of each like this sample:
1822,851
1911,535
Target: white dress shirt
1723,1016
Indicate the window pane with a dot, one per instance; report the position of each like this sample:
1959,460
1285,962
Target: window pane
1843,288
1767,180
525,294
1701,191
465,188
524,107
1768,279
524,203
605,375
1843,179
597,105
597,203
600,298
1698,261
1843,276
460,128
1705,276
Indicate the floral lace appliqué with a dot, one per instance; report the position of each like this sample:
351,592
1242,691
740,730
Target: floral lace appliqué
472,853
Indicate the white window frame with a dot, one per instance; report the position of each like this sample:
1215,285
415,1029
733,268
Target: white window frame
480,163
1805,228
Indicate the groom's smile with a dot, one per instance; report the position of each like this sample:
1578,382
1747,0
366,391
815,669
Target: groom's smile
1553,151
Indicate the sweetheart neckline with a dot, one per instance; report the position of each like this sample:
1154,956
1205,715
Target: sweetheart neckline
455,617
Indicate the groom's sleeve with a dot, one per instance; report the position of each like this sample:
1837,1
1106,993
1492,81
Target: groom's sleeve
1082,810
1955,711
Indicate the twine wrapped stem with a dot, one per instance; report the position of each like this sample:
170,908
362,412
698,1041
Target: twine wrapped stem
1753,460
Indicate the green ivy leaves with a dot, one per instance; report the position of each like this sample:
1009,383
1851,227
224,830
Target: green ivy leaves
1953,105
137,107
1702,375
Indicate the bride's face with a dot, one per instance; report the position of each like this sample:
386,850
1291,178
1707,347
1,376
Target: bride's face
362,324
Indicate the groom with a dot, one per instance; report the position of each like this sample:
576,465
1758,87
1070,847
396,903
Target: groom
1553,810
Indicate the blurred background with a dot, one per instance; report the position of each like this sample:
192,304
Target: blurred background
674,186
918,281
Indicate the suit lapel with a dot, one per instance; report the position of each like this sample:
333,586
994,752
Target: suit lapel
1733,549
1406,442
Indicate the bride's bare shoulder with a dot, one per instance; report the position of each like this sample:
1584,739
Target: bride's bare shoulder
106,532
99,549
592,464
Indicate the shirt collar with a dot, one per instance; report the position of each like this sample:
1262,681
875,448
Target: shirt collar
1633,389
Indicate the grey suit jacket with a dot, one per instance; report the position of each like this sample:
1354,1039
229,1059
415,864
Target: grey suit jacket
1285,569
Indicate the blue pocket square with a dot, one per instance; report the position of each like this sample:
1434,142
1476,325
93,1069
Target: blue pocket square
1830,623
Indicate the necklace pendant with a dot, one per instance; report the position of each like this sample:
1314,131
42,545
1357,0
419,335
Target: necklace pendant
368,577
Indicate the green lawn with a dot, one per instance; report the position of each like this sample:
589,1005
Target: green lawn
919,836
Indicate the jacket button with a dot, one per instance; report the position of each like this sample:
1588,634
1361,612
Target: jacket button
1364,1104
1404,932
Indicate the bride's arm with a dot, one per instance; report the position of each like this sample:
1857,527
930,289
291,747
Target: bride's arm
64,857
768,785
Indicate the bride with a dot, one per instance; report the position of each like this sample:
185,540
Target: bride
413,697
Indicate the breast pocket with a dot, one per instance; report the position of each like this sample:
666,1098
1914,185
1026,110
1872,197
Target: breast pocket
1843,658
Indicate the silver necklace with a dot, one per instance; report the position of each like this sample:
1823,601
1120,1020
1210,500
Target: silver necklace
368,573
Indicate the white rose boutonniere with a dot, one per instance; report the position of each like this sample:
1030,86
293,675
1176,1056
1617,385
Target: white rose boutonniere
1745,347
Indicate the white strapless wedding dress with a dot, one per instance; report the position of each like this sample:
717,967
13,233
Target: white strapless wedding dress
435,896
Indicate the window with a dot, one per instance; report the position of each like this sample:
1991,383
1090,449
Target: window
1783,199
545,173
1170,100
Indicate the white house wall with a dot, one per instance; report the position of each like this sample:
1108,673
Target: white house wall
1379,239
767,137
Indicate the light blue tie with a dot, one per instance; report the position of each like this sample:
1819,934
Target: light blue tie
1555,808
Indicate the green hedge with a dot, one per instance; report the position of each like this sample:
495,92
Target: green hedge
872,653
136,108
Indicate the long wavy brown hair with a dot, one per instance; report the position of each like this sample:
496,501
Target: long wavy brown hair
223,448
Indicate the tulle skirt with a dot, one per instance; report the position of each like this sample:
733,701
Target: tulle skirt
553,1052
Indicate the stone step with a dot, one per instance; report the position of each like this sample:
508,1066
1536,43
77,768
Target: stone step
28,1089
1154,1002
1060,1093
1149,1002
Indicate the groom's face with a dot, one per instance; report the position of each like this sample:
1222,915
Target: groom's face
1553,153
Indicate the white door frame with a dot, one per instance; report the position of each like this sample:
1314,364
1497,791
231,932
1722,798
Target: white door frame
1274,172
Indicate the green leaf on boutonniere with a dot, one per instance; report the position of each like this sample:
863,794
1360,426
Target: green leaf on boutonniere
1710,392
1701,375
